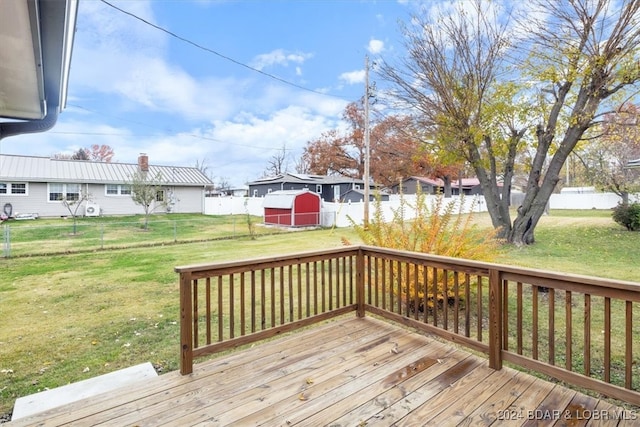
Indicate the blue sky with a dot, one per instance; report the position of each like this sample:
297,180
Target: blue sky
140,90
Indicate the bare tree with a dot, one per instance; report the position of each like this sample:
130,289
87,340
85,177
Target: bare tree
73,203
148,192
278,163
580,53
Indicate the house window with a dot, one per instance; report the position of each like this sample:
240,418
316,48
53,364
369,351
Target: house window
269,190
318,188
59,192
160,196
56,192
112,189
117,190
255,193
73,192
19,188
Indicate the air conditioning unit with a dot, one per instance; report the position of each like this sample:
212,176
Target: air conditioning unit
92,209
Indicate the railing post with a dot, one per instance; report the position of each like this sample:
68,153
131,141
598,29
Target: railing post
495,320
360,283
186,324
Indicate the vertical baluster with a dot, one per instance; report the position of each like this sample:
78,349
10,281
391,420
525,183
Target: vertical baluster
391,281
416,293
628,356
456,301
445,299
231,307
399,284
315,287
368,278
299,277
467,305
519,317
220,310
281,282
195,313
552,325
587,335
308,286
263,300
384,284
331,290
343,262
290,283
208,308
425,292
253,301
434,297
272,296
569,327
607,339
242,305
323,286
505,314
376,285
534,321
479,309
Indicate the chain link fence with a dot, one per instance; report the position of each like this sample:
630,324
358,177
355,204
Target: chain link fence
62,236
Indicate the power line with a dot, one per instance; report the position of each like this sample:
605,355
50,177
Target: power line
191,135
206,49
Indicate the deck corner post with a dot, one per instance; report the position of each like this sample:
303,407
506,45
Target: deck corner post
186,324
360,283
495,320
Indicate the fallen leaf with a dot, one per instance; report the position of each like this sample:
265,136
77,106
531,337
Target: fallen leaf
302,397
309,381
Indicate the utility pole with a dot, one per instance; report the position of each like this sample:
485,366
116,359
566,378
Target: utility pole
366,142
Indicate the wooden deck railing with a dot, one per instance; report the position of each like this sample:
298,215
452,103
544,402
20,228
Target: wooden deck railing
577,329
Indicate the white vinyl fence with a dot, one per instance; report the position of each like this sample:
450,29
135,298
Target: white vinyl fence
342,214
334,214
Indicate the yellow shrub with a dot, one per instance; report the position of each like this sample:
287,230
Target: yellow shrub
439,228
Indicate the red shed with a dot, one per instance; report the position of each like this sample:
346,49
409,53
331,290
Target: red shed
296,208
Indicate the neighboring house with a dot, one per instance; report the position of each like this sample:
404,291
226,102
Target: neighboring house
330,188
37,185
470,186
410,185
354,195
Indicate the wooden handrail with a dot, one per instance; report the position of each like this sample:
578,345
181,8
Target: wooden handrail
541,320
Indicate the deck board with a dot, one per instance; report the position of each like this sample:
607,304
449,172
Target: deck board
347,372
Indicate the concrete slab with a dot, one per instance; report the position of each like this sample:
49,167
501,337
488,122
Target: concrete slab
38,402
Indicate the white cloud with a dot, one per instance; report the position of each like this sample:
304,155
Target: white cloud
279,57
353,77
375,46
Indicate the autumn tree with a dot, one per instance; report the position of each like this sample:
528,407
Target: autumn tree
391,148
606,156
574,56
100,153
95,153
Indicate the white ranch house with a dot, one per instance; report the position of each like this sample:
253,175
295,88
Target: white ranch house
37,185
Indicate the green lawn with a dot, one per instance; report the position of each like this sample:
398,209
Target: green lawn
74,316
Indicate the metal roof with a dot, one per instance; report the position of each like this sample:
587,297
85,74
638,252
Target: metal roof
284,199
307,179
45,169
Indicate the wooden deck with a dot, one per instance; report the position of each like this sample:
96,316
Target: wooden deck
348,372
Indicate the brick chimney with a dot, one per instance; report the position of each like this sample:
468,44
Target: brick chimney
143,162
